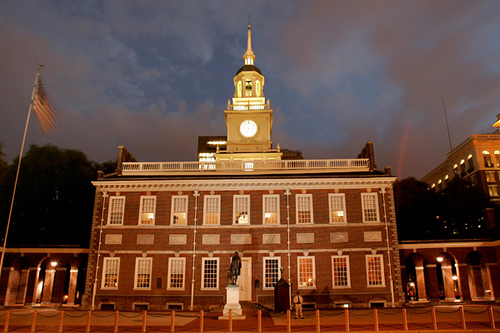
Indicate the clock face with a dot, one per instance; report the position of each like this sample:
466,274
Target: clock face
248,128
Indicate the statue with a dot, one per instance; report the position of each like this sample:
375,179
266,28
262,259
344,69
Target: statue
234,270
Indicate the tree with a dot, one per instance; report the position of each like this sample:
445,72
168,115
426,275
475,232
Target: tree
54,198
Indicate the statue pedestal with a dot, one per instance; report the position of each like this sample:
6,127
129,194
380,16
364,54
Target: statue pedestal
232,303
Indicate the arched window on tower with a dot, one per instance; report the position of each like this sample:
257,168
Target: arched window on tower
257,88
487,159
238,89
248,88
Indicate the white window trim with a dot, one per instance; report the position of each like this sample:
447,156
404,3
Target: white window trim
111,199
313,272
330,198
203,273
382,273
264,271
348,272
374,195
309,195
143,197
170,260
205,199
150,272
105,264
277,197
235,198
184,197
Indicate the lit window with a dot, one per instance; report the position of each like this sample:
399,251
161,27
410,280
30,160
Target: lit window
272,272
369,202
176,273
210,274
470,163
211,209
340,272
462,167
497,158
148,207
306,272
490,176
179,210
239,89
375,271
257,88
487,159
271,208
248,88
116,210
143,267
304,208
493,190
455,169
241,209
110,271
337,207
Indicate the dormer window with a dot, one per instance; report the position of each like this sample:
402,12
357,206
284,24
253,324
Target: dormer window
248,88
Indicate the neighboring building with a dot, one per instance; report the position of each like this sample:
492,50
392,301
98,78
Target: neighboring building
163,233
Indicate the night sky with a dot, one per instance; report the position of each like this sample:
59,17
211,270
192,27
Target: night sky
155,75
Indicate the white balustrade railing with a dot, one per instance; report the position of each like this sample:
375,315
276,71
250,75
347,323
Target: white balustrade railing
338,165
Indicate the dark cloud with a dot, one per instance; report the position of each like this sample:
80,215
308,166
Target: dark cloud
154,75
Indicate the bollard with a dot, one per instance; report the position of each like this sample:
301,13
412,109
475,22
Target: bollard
116,322
405,319
462,317
33,322
318,325
259,321
491,315
201,321
434,319
375,319
7,319
346,319
89,314
144,313
230,320
288,321
172,321
61,319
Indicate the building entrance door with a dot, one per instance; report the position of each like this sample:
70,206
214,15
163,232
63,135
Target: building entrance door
245,280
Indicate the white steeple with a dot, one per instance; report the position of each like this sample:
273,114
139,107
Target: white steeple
249,57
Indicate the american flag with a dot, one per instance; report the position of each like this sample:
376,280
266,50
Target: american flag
43,109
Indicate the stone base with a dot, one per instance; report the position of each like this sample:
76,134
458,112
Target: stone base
232,302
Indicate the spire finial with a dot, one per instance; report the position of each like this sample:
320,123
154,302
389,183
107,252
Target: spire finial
249,25
249,57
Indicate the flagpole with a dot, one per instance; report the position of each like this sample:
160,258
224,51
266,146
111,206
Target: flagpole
19,167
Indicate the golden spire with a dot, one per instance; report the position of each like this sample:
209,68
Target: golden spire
249,57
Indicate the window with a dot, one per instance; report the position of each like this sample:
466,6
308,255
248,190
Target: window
272,272
493,190
257,88
239,89
241,209
148,208
116,209
487,159
455,169
337,207
470,163
110,271
179,210
212,209
176,272
209,274
340,272
369,202
375,271
306,272
462,168
497,158
143,268
248,88
271,208
490,176
304,208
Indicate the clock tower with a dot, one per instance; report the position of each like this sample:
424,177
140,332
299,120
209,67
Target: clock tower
249,118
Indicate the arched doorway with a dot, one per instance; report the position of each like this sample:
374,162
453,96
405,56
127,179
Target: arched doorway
478,276
18,282
416,289
448,278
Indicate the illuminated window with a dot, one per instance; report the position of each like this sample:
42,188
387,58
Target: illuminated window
143,267
462,167
369,202
340,272
493,190
272,272
304,208
238,90
210,274
147,209
487,159
116,209
248,88
176,273
306,272
241,209
455,169
211,209
257,88
497,158
110,271
490,176
179,210
375,271
337,207
470,163
271,211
